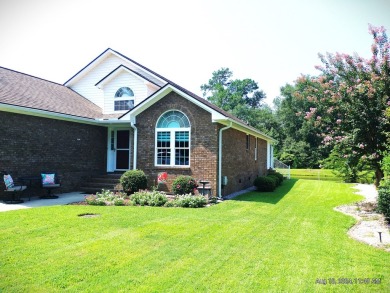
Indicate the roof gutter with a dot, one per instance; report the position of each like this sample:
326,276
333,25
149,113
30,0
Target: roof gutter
247,129
135,144
46,114
220,158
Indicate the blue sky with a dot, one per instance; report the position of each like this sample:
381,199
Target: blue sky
272,42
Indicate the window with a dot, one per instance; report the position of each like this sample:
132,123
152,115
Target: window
124,99
248,142
173,139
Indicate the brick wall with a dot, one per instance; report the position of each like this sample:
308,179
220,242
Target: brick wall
29,145
204,142
238,162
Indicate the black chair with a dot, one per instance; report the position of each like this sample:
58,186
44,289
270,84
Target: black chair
13,191
50,181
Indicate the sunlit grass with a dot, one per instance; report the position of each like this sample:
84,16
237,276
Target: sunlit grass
282,241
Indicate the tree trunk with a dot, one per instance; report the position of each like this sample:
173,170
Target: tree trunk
378,175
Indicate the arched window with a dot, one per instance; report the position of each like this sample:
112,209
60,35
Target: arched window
124,99
173,139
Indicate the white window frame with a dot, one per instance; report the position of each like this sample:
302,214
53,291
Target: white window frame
173,148
124,98
172,132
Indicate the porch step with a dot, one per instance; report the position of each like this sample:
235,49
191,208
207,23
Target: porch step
109,181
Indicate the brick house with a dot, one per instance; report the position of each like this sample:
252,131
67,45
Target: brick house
116,115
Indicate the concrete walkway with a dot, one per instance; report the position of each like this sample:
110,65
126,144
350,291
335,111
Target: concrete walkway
63,199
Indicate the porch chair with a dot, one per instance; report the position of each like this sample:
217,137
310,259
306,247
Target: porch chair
13,189
50,181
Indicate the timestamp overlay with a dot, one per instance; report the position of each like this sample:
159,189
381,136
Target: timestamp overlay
348,281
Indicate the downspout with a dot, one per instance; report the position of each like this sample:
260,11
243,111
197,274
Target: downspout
220,159
135,145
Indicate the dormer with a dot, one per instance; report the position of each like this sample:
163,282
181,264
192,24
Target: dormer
123,88
115,83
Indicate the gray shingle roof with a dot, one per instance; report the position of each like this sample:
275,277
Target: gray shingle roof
28,91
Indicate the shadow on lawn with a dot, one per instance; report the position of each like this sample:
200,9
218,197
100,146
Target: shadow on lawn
268,197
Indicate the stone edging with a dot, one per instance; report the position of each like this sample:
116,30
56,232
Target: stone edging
369,222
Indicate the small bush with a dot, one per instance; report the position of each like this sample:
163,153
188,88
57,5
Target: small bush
149,198
276,179
264,183
276,174
384,199
189,201
184,185
133,180
107,198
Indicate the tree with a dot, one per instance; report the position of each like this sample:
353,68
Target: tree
351,96
228,93
300,143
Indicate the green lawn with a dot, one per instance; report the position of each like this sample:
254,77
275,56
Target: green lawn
316,174
282,241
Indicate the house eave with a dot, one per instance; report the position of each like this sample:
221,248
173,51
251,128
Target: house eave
245,128
101,57
46,114
161,94
58,116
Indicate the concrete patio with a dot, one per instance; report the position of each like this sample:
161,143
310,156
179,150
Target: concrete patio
63,199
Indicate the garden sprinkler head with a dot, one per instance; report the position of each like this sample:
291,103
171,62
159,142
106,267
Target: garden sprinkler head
380,236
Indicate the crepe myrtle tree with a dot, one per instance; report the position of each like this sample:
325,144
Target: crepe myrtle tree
351,96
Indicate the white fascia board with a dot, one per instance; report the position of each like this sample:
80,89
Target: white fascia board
87,68
149,102
214,114
161,94
139,67
59,116
118,71
46,114
248,130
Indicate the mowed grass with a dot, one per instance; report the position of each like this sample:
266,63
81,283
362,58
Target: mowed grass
282,241
314,174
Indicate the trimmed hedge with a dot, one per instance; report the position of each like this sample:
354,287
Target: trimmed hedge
133,181
265,183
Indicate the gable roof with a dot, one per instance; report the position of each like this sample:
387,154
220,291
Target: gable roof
30,92
23,90
122,67
133,65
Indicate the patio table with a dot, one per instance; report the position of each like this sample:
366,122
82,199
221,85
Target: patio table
30,179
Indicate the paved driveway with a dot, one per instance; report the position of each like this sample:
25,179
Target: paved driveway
63,199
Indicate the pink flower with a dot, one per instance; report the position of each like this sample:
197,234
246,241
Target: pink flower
338,121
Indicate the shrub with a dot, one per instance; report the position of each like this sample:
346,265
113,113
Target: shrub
264,183
133,180
149,198
107,198
384,199
276,174
184,185
276,179
189,201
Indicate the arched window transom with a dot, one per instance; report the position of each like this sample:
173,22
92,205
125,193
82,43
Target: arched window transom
173,119
173,139
124,99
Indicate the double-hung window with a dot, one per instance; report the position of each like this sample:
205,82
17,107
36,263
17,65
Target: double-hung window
124,99
173,139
